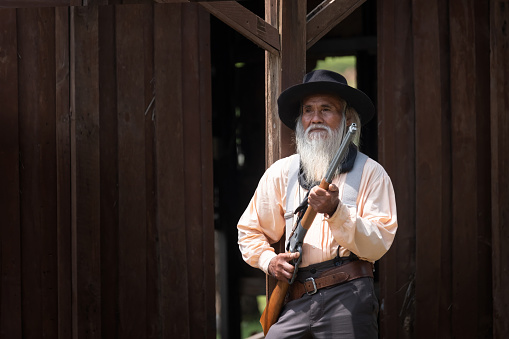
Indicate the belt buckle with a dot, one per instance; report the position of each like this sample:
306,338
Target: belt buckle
314,286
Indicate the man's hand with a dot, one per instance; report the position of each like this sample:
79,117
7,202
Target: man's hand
324,201
280,268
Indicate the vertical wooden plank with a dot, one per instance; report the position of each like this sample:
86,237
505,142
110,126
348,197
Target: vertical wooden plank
431,72
274,126
132,173
484,221
152,302
272,90
108,171
470,165
499,72
293,57
36,49
396,145
10,237
85,175
207,203
291,67
63,149
192,166
169,134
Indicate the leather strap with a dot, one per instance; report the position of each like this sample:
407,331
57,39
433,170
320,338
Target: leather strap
334,276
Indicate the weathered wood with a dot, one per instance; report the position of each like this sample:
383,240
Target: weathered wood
132,169
272,90
37,173
396,152
469,36
85,175
110,227
63,172
39,3
293,57
193,146
170,172
326,16
246,23
10,234
499,125
207,179
433,188
153,322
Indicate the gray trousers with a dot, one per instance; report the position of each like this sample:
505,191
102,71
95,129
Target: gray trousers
345,311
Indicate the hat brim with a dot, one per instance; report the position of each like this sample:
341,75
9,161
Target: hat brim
289,101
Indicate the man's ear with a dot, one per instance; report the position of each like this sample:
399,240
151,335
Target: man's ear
348,118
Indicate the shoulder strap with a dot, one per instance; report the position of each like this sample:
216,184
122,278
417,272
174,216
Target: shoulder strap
293,174
353,180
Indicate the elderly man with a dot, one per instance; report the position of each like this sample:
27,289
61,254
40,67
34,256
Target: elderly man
333,294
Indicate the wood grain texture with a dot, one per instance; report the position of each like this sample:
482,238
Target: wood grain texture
63,171
246,23
433,170
169,152
132,174
85,139
499,127
396,152
469,50
10,237
326,16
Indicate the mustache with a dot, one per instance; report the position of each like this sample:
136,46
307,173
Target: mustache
317,126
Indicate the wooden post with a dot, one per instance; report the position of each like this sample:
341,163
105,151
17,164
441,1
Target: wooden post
292,28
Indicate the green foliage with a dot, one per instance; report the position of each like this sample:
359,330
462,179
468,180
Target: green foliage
343,65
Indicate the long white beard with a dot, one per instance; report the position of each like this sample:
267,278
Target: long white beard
317,149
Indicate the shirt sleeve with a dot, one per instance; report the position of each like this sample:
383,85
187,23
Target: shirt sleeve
263,223
369,228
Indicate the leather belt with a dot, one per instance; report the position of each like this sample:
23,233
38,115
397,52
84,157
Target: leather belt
334,276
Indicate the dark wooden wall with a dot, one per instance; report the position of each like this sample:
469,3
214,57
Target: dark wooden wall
106,172
443,139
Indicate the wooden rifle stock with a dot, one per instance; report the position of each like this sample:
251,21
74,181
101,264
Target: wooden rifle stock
277,298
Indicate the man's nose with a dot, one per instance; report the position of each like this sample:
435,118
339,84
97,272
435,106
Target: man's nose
317,117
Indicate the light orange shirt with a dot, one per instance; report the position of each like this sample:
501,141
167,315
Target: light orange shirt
368,229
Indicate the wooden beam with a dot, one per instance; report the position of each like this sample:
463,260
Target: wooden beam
326,16
38,3
246,23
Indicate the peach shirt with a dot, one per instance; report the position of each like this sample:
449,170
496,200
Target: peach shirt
368,229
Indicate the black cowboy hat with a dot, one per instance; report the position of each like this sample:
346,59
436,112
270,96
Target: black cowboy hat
322,82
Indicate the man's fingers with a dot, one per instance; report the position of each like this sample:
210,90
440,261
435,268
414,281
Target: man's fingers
333,188
289,256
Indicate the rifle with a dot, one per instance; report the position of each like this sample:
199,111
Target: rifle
277,298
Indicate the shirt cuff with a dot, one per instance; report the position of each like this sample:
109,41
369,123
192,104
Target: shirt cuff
264,260
342,214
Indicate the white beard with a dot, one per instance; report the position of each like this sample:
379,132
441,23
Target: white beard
317,149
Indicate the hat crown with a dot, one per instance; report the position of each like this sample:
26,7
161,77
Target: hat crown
322,75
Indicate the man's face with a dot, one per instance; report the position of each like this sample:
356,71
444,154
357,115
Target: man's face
321,109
